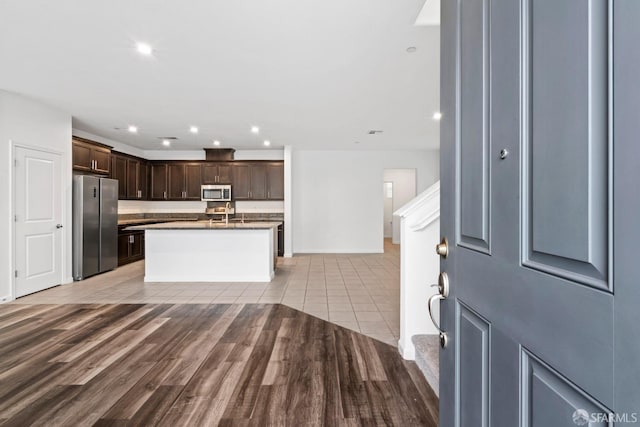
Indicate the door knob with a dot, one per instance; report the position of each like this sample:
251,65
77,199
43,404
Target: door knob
58,225
443,293
442,248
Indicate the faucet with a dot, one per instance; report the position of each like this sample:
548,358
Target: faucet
227,208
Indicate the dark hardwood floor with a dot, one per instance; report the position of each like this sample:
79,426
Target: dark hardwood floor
199,365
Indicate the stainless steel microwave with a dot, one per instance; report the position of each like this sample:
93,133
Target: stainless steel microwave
215,193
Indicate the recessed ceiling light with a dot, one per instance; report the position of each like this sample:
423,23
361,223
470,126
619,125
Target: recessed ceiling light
375,132
411,49
133,129
216,142
144,49
255,129
356,142
193,129
437,115
166,142
267,143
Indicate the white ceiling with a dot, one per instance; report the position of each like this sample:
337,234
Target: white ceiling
312,74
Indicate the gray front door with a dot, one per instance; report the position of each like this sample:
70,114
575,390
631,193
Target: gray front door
540,184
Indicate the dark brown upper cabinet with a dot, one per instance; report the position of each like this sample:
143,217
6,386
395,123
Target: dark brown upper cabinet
258,181
119,172
275,181
216,173
143,183
183,181
241,181
140,179
159,181
132,175
89,156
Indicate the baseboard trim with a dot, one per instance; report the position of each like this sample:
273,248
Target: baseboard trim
408,352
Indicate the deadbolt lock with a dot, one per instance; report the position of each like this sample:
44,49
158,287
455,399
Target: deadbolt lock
442,248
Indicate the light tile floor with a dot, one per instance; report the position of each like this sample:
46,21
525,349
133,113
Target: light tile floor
358,291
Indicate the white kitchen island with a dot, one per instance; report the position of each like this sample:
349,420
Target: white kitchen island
201,251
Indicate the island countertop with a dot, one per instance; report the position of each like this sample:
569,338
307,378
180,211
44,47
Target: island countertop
207,225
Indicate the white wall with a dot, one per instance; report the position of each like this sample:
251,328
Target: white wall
404,189
118,146
27,122
273,154
337,196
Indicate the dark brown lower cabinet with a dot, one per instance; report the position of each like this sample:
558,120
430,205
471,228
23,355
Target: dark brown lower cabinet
281,239
130,246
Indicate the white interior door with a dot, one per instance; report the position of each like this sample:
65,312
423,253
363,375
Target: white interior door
38,220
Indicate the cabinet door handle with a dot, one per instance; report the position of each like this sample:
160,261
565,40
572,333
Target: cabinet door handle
164,194
268,194
131,239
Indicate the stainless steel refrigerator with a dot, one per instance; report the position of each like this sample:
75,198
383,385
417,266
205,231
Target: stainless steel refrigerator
95,225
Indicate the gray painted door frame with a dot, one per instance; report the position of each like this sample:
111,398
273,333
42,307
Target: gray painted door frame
540,165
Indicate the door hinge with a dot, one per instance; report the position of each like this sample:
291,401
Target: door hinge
15,218
16,273
15,163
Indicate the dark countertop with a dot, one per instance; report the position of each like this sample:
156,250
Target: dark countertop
207,225
140,221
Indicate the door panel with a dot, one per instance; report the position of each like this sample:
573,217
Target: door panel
119,172
143,180
158,181
241,181
192,182
176,182
209,174
38,210
566,141
108,224
81,154
224,174
550,400
275,181
258,182
473,345
133,173
540,316
102,158
474,127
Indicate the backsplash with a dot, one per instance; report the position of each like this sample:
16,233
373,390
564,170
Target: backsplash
260,207
144,207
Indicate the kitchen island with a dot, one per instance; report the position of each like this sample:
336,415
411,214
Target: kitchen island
205,251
